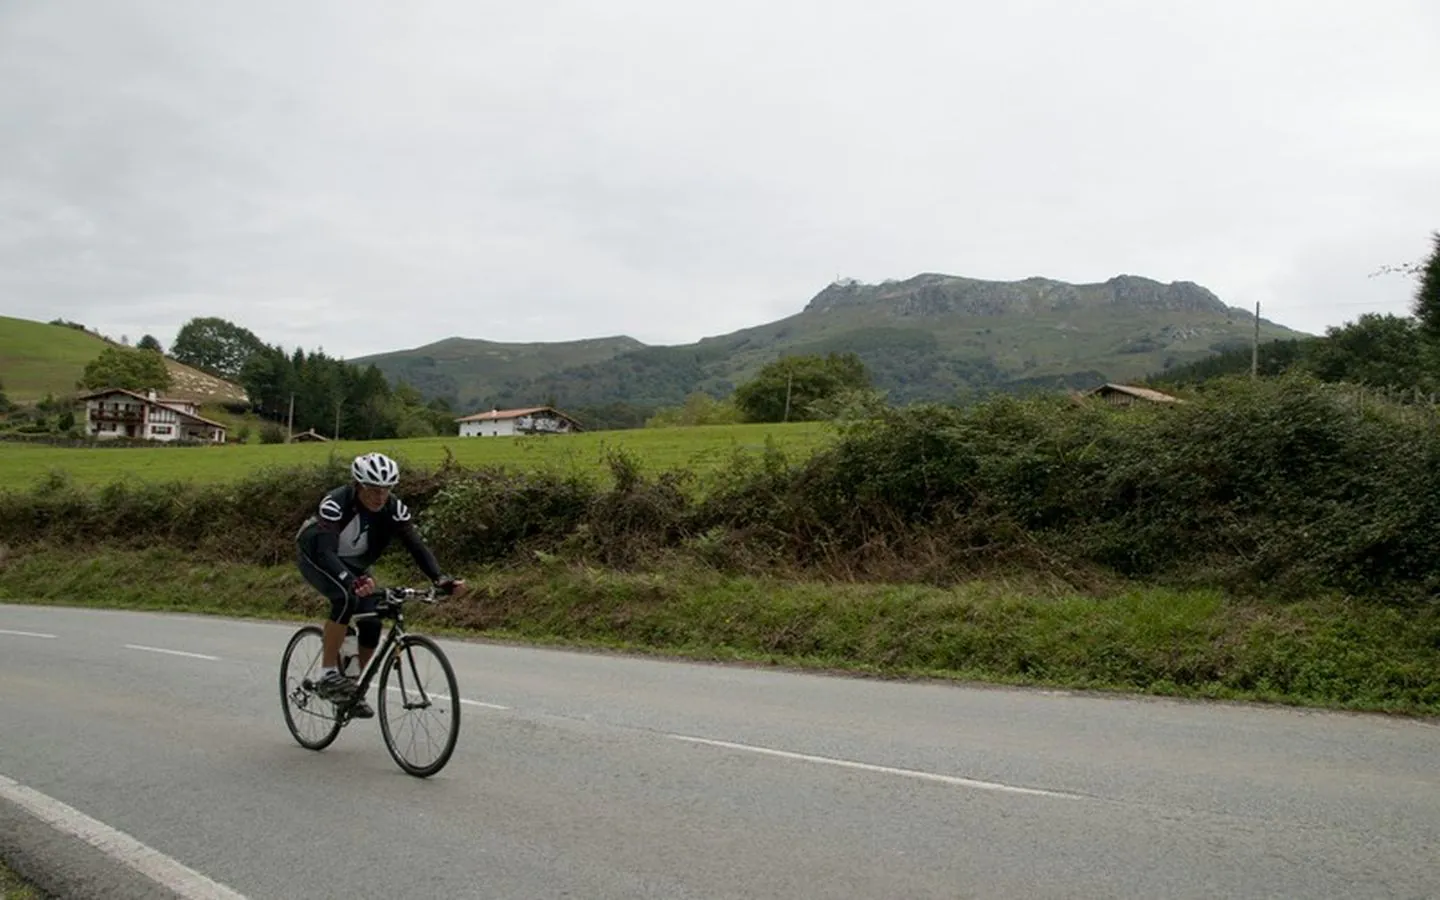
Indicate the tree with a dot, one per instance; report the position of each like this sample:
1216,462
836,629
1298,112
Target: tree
377,414
851,404
148,342
123,367
1378,350
1273,358
610,416
328,391
216,346
268,379
700,409
415,424
408,395
785,389
1427,295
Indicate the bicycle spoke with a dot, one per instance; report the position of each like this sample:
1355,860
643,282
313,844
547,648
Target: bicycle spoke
419,729
311,719
417,712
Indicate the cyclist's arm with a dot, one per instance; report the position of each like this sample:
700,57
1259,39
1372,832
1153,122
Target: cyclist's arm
410,537
327,542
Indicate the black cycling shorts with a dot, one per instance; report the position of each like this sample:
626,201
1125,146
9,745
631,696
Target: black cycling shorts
343,603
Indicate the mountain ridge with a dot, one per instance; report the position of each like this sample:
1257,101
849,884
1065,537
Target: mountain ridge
926,337
989,297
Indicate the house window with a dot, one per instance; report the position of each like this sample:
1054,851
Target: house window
161,429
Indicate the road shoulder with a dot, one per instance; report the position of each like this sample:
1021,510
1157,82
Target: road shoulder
61,865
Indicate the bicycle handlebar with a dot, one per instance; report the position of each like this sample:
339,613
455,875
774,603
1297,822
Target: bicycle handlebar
401,594
388,601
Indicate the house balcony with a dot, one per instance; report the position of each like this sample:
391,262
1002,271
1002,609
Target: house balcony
110,415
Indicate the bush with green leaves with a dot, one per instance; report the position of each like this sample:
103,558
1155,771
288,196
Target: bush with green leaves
482,516
1282,487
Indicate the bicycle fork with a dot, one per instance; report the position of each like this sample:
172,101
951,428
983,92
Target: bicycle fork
405,701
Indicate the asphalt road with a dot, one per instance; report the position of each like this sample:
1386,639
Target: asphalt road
594,775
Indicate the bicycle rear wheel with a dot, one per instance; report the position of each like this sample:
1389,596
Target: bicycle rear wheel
420,713
310,718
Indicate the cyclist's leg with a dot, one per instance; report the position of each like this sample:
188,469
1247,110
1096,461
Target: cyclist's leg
368,628
334,625
368,637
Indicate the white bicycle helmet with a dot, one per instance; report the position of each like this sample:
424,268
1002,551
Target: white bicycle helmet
375,469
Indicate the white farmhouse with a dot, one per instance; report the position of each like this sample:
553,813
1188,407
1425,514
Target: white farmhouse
531,420
118,413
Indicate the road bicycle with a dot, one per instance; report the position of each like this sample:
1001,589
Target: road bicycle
315,722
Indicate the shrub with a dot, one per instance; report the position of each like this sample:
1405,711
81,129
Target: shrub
486,515
1283,486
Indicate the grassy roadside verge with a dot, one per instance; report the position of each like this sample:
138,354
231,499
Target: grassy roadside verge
1199,644
13,887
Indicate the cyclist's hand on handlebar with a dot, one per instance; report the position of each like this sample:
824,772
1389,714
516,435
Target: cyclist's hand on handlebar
364,586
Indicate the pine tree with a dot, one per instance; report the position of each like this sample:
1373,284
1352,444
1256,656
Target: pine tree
1427,295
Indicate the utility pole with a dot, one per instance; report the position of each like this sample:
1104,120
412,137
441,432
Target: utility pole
1255,346
789,379
337,420
290,427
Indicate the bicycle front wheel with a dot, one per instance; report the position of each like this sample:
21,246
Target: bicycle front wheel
311,720
420,710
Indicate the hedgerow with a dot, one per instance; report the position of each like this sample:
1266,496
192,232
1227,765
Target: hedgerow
1279,486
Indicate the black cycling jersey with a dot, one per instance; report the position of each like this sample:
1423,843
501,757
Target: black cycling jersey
342,537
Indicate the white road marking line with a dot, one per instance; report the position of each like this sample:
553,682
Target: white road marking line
27,633
172,652
885,770
463,701
481,703
117,845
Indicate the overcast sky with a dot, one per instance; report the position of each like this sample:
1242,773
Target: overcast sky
367,176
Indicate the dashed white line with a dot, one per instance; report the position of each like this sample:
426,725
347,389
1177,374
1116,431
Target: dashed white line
172,652
463,701
27,633
119,846
884,770
480,703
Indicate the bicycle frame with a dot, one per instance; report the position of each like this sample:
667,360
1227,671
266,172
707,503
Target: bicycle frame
391,606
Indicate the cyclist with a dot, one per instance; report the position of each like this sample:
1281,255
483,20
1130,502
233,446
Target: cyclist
338,544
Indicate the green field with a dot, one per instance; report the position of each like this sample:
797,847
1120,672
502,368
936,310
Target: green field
699,448
235,422
38,359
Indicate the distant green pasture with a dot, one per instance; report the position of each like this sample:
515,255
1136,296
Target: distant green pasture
699,449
